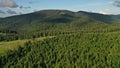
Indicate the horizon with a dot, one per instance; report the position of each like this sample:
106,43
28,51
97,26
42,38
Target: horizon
58,10
19,7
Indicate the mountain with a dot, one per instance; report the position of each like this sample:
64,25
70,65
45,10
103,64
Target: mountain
60,39
116,16
55,20
101,17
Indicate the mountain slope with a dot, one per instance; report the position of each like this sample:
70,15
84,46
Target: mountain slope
88,50
116,16
101,17
55,20
77,40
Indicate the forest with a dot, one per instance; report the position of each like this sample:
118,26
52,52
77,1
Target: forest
90,50
60,39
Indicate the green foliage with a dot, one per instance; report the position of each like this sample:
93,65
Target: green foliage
14,45
76,50
54,19
77,40
55,22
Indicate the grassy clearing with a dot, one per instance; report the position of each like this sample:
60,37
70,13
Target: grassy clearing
2,33
13,45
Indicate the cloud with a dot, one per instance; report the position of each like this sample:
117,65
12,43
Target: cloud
2,12
110,2
103,12
117,3
32,1
21,7
8,3
11,12
106,11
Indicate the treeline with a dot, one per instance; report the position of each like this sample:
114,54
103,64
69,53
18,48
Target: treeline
67,51
10,36
58,29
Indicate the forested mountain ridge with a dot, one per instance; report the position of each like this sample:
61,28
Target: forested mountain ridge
60,39
53,19
117,16
54,22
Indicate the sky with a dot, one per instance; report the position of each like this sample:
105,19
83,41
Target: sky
18,7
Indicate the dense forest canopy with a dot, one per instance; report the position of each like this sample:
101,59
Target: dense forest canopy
71,40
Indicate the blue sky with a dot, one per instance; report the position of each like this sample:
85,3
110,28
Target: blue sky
27,6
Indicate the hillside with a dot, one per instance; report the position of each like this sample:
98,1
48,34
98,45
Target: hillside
55,22
14,45
117,16
60,39
54,19
80,50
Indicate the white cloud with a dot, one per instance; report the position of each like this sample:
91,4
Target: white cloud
8,3
103,12
107,9
117,3
110,2
11,12
2,12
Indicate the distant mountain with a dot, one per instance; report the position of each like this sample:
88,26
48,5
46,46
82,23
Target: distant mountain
116,16
55,20
101,17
